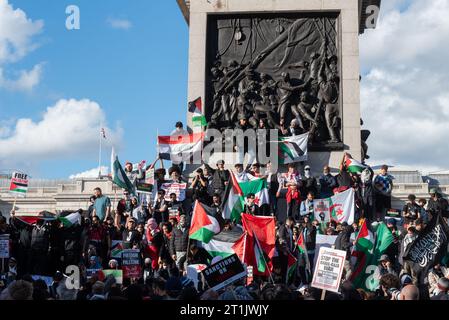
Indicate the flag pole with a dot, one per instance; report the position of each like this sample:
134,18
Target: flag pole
99,155
14,204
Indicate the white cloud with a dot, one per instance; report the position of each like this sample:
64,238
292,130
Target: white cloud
404,93
16,41
92,173
16,33
26,80
119,23
70,129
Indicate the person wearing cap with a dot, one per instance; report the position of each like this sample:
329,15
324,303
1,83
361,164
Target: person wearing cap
383,186
130,234
384,267
436,273
220,177
437,204
243,122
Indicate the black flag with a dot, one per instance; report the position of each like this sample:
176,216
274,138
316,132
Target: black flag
430,246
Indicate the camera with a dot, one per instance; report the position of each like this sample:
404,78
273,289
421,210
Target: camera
394,293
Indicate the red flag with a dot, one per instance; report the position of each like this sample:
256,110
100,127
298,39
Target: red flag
260,233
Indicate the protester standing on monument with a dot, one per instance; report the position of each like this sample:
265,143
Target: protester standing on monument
220,177
327,183
383,186
102,205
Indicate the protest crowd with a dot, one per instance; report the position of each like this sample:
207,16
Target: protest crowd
155,247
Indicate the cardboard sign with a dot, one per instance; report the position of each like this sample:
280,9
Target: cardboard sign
178,188
131,263
393,213
149,176
19,184
91,272
118,274
323,241
116,249
224,272
194,271
4,246
143,187
329,269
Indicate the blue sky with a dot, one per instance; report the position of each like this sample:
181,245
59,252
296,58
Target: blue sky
126,69
138,76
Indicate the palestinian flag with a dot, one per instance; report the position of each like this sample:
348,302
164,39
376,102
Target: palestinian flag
363,252
205,223
341,207
301,244
198,118
292,263
259,188
261,261
71,219
293,149
17,187
233,206
34,219
180,148
236,193
221,244
362,277
118,174
352,165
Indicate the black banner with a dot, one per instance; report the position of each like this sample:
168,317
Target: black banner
430,246
224,272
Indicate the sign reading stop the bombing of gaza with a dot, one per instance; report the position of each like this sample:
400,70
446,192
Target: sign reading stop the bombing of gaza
329,269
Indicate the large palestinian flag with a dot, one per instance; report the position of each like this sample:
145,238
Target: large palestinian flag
236,193
369,259
362,251
293,149
180,148
221,244
206,223
233,206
